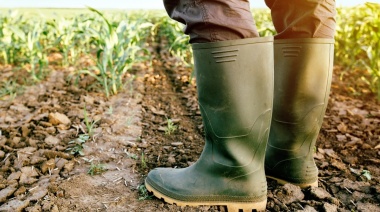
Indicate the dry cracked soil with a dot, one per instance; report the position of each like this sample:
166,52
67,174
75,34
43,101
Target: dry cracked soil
48,163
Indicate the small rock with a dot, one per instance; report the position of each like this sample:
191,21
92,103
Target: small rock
171,159
38,194
89,99
329,208
15,141
27,180
30,171
63,127
59,118
177,144
50,130
53,154
289,193
36,160
367,207
4,193
52,141
19,191
356,186
27,176
339,165
69,166
162,129
60,163
33,142
330,153
15,205
14,176
341,137
19,108
27,150
142,145
45,124
60,194
319,193
25,130
318,156
48,165
2,154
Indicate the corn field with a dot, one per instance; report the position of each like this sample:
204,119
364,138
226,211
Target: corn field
106,45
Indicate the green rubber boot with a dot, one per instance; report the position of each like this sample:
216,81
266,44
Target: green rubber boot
235,91
302,79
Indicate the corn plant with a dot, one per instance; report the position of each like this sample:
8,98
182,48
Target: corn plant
117,51
35,53
75,146
358,41
65,33
10,47
263,21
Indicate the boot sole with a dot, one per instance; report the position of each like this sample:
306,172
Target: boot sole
231,206
301,185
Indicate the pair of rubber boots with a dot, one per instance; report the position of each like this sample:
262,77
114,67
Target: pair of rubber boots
241,83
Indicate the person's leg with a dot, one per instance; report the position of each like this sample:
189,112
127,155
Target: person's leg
303,62
234,73
213,20
303,18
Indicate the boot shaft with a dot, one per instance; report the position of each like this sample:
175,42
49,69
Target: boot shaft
303,71
235,91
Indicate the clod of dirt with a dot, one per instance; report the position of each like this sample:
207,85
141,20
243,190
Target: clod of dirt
6,193
289,193
59,118
319,193
14,205
367,207
356,186
329,207
176,144
52,141
48,166
38,193
60,163
27,176
14,176
53,154
69,166
36,160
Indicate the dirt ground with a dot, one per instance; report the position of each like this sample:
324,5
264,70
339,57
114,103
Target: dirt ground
131,135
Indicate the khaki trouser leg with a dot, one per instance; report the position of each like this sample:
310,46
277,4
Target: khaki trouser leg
303,18
213,20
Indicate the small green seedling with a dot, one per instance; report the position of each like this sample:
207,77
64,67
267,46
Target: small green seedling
96,169
143,192
170,128
131,155
76,146
89,124
366,174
